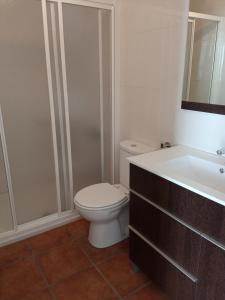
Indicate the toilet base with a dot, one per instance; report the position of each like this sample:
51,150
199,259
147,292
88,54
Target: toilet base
102,235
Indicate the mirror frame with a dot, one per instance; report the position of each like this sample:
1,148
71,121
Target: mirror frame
203,107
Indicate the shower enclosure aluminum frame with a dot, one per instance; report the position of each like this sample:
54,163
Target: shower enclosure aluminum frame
62,217
196,106
192,20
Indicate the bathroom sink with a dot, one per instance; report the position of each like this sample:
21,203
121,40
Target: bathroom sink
193,169
199,170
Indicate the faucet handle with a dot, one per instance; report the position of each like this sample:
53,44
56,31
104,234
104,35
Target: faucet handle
220,151
165,145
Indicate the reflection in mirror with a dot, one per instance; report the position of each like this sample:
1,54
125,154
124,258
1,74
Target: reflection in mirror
204,76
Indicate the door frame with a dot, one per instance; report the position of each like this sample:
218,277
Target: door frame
112,6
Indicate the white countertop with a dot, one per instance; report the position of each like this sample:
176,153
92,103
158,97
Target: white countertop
157,163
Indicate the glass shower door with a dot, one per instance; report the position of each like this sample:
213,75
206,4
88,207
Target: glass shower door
26,109
87,38
57,118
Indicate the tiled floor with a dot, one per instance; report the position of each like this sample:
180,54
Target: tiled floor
61,264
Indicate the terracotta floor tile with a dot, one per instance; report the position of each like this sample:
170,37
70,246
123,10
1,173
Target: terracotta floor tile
60,255
41,295
87,285
98,255
62,261
49,239
13,252
148,293
119,272
78,229
20,279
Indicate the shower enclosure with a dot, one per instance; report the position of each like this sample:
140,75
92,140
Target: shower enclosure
57,108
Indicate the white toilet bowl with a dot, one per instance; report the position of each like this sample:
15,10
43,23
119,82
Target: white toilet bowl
106,207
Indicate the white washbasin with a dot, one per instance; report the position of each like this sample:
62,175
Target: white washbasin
199,170
190,168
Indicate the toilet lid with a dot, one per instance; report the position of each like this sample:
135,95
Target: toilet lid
99,196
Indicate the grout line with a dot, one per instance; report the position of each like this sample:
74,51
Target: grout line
96,264
14,262
137,289
101,274
46,284
35,255
18,259
32,254
51,292
52,285
117,252
108,282
109,257
38,265
85,253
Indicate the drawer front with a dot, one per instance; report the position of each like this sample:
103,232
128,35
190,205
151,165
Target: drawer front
202,213
211,284
150,186
174,239
197,211
174,283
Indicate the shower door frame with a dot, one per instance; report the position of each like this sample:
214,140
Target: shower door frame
36,226
106,5
192,20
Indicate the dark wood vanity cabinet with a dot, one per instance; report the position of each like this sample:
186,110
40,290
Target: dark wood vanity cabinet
179,242
195,210
162,272
211,284
177,237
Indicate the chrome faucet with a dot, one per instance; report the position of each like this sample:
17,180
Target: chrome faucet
221,151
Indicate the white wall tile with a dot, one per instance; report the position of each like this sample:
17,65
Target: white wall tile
153,36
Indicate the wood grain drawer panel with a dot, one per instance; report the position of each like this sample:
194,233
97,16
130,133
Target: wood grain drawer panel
176,240
150,186
203,214
174,283
211,284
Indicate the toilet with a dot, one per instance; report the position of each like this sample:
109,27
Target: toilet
105,205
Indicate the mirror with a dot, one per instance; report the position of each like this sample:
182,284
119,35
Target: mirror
204,74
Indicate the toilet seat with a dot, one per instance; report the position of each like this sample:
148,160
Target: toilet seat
100,196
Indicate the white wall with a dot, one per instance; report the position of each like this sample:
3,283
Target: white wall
153,36
151,47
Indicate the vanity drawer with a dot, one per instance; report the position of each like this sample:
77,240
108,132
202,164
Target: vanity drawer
211,272
170,279
173,238
150,186
201,213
